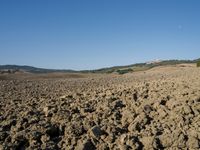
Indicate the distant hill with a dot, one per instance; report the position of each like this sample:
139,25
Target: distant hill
140,66
31,69
115,69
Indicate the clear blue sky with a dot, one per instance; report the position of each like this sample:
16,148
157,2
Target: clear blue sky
88,34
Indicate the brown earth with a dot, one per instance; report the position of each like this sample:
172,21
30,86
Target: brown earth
155,109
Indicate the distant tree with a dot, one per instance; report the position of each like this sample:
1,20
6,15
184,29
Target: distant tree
198,63
124,71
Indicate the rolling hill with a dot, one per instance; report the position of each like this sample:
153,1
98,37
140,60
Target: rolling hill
115,69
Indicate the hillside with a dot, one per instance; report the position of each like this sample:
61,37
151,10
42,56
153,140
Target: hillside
115,69
33,69
140,66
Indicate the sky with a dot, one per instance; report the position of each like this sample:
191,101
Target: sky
91,34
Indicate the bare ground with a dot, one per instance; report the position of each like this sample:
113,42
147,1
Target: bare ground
155,109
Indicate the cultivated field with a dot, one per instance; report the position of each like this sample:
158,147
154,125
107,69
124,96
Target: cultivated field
154,109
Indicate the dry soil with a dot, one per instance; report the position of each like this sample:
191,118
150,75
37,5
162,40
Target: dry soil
155,109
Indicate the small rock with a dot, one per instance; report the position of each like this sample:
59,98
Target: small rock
96,132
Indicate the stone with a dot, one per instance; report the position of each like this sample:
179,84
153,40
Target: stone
96,132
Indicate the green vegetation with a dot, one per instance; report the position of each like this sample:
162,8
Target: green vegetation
137,67
124,71
198,63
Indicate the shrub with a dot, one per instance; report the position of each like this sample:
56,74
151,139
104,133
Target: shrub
124,71
198,63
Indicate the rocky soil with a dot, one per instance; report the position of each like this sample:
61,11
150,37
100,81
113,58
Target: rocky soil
156,109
